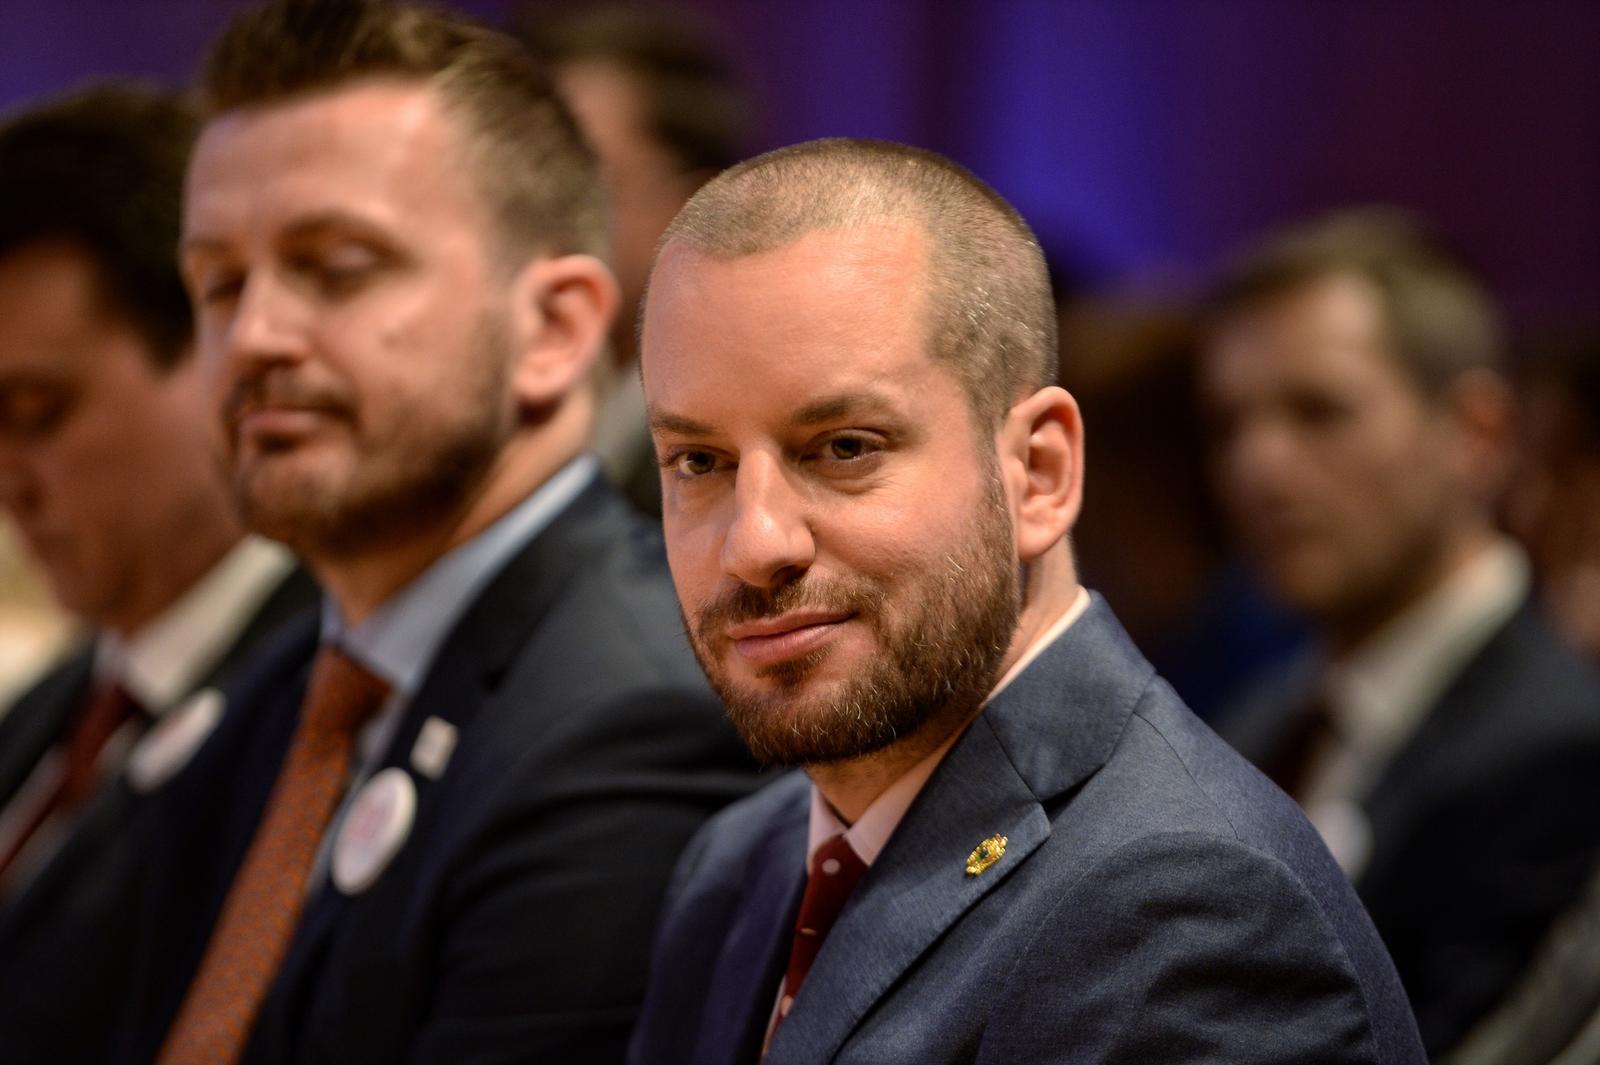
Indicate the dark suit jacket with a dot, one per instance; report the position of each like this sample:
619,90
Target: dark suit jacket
64,940
1157,901
1483,826
514,923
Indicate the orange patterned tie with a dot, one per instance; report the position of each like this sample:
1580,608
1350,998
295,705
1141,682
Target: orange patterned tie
263,906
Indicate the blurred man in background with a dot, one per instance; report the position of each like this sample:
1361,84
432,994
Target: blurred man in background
1443,740
665,110
436,824
109,466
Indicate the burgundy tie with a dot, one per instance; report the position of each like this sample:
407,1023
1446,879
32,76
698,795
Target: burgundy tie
835,871
102,715
264,903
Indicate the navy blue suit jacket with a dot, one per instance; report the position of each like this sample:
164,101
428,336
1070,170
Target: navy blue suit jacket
1483,824
514,924
1158,901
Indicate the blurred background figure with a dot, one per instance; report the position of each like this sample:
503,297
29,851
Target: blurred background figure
1442,738
1555,500
665,110
108,467
1150,539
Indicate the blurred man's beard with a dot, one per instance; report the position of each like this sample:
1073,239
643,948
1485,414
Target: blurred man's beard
420,472
936,662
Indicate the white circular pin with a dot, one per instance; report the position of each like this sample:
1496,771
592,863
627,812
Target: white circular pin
173,740
374,830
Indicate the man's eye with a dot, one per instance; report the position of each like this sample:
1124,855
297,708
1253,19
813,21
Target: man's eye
692,463
32,413
846,448
217,290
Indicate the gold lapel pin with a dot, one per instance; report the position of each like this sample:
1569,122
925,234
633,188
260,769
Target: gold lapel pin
985,854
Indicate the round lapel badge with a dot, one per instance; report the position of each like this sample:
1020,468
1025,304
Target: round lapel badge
374,830
173,741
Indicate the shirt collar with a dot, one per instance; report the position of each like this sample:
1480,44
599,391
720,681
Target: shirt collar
164,659
399,639
1379,693
871,832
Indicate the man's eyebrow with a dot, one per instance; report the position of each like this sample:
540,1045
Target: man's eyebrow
667,422
308,227
832,408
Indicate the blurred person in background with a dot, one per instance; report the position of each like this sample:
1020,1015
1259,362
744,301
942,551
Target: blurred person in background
109,466
438,819
1555,500
664,108
1149,538
1442,738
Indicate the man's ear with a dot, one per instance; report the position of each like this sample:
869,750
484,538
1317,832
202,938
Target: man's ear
1040,445
1483,412
561,312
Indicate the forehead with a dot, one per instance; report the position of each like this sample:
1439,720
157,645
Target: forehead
835,311
1329,333
50,304
386,150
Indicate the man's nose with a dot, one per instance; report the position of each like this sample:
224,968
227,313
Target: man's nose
267,324
769,540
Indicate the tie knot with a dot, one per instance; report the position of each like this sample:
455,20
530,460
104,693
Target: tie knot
342,695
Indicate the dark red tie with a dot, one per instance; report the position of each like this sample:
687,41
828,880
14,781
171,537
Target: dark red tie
835,871
263,907
105,711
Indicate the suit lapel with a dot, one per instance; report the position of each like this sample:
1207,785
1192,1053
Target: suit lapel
1048,732
916,890
744,984
462,680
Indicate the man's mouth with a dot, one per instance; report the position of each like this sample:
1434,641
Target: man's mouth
763,642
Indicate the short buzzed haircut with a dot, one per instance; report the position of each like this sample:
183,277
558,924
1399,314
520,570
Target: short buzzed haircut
1440,318
533,168
990,314
101,170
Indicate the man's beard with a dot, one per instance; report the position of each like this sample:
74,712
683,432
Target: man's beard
936,665
411,479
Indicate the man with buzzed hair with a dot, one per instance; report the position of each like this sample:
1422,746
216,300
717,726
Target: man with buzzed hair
1010,842
437,824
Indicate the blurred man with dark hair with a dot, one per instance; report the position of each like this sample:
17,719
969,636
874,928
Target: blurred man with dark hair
1442,739
109,465
665,110
437,824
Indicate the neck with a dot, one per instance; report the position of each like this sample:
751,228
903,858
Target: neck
361,582
1345,632
1049,587
208,530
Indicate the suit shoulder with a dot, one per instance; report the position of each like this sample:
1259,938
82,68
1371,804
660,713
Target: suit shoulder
1198,928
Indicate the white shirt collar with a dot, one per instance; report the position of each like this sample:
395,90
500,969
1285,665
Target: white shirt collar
871,832
399,640
163,661
1380,693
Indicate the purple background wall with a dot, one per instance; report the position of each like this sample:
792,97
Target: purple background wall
1143,137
